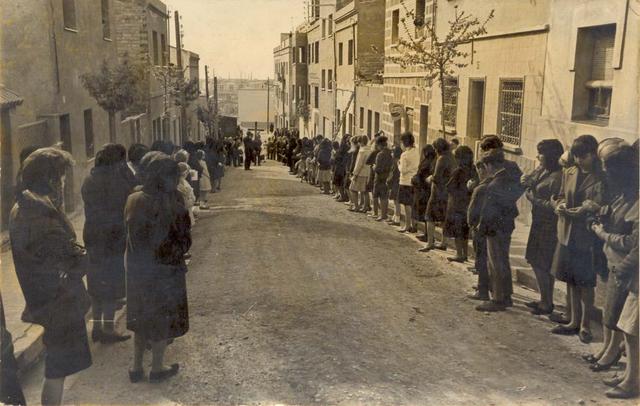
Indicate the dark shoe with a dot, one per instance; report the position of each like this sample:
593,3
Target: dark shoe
565,330
96,335
586,337
598,367
532,305
491,307
538,311
136,376
440,247
155,377
479,296
112,337
426,248
619,393
613,382
456,259
557,318
591,359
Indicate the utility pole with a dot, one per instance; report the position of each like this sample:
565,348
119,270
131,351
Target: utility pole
215,108
183,111
268,97
206,85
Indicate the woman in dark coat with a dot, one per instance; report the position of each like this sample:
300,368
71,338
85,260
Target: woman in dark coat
158,236
393,183
50,266
105,192
437,206
617,226
421,187
542,184
340,169
583,188
459,196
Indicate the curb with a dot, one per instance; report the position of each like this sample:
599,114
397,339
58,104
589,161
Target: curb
29,348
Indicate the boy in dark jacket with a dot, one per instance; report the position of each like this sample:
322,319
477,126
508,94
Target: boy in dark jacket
497,222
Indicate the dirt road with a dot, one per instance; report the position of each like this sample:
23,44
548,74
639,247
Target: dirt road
294,300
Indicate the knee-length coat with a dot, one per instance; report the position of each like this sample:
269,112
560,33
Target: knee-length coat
437,206
105,192
158,236
544,221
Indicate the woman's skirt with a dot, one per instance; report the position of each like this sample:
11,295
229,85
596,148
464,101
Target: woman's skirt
456,226
573,265
617,294
324,175
66,349
629,318
405,195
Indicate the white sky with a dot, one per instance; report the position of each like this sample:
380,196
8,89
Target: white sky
236,37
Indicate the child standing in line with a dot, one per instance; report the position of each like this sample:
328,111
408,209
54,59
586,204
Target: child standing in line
205,181
186,190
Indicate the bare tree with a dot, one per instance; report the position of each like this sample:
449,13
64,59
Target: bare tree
438,56
115,88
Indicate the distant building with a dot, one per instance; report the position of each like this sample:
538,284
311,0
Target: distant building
252,107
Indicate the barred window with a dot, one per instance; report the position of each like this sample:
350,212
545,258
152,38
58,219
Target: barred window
450,109
510,111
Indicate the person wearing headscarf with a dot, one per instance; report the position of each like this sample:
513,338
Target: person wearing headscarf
458,198
422,187
437,206
616,225
105,192
541,185
340,161
324,165
50,266
381,170
158,237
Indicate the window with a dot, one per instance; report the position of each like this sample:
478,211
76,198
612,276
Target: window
316,100
316,9
324,28
351,129
330,79
69,14
324,82
303,56
330,24
317,51
395,26
361,117
156,59
308,95
593,84
450,109
163,49
340,51
510,111
106,21
88,134
350,52
376,125
369,122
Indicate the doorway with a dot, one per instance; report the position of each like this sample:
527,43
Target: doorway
476,110
65,137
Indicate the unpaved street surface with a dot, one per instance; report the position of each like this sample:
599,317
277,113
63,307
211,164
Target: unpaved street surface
294,300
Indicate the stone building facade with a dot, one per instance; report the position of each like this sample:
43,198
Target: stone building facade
53,44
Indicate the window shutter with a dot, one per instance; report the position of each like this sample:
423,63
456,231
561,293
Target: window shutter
602,67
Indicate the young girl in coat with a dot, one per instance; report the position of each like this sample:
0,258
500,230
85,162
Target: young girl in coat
186,190
205,181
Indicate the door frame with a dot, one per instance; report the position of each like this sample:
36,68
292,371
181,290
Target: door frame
472,79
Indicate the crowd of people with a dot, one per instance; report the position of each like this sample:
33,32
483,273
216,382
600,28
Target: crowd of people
584,227
140,205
